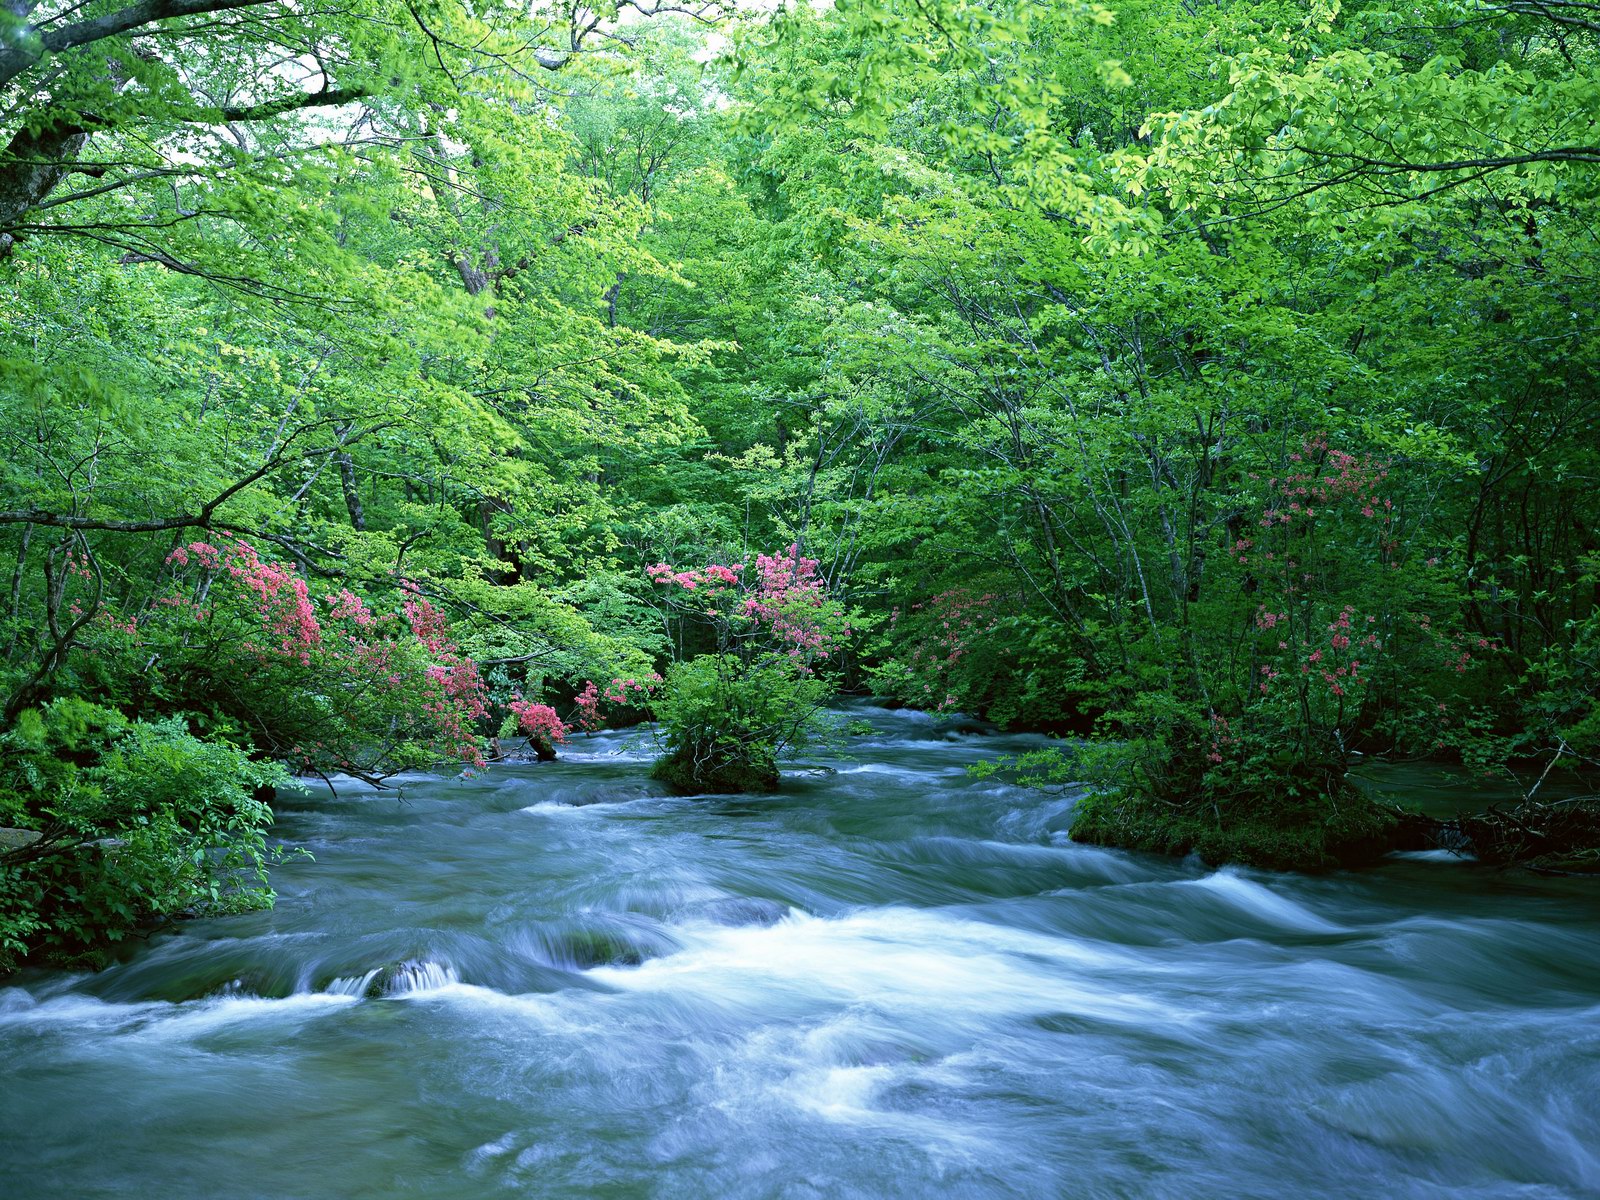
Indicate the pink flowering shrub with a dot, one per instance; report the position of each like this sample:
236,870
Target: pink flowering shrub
770,628
1321,628
316,678
778,604
938,654
538,721
623,697
1345,639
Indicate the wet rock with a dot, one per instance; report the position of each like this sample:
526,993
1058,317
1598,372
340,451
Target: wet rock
531,750
964,726
182,982
394,978
412,975
16,839
265,985
716,772
581,947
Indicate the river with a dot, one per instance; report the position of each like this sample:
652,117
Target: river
890,980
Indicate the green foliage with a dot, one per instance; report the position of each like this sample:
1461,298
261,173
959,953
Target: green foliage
1216,381
1562,687
725,722
137,821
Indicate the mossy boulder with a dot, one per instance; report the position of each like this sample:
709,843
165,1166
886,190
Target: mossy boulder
16,839
713,770
1288,832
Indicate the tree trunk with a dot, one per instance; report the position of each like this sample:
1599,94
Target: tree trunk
30,168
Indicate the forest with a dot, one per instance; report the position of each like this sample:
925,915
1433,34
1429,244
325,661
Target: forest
1210,385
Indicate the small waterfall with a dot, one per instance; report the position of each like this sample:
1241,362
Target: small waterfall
422,976
395,979
352,985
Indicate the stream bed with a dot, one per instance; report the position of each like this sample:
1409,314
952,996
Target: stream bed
890,980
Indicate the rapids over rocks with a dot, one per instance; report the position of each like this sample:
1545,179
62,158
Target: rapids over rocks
890,980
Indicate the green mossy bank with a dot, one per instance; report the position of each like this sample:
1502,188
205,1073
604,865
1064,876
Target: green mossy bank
1315,832
1283,834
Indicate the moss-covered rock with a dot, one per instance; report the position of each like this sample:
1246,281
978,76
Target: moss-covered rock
17,839
689,773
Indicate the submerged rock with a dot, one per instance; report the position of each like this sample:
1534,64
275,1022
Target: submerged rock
740,910
531,750
580,943
394,979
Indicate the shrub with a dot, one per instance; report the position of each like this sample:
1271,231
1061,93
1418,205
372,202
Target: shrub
728,715
724,723
322,682
136,821
539,723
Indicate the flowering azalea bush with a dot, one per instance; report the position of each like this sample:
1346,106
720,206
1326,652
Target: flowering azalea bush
938,653
776,605
316,678
1322,629
727,715
1347,639
623,697
539,723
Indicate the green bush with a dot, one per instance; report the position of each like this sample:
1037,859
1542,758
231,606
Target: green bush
135,821
1243,793
725,722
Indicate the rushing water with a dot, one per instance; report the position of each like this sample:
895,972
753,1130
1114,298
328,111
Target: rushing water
891,980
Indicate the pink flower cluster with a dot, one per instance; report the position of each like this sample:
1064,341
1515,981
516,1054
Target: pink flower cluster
1222,737
705,577
454,696
787,598
623,692
389,691
588,702
1330,663
538,721
1332,483
278,594
1333,475
345,605
782,596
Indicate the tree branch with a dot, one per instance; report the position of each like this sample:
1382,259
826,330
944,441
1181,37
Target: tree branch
203,518
34,46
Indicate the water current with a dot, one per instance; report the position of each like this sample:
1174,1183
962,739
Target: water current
890,980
